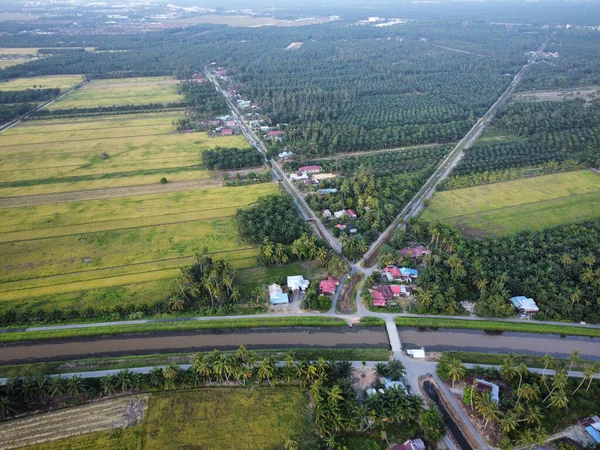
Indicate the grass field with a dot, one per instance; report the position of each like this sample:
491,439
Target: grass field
18,50
208,419
505,208
54,249
126,91
493,325
60,149
12,62
43,82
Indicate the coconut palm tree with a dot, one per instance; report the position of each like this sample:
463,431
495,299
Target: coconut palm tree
574,359
202,366
56,386
266,369
107,385
455,370
507,370
588,374
548,362
558,399
522,370
75,386
396,369
508,423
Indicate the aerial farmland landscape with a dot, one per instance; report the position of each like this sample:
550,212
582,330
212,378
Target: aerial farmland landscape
299,226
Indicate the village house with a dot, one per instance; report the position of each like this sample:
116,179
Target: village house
265,128
385,291
378,299
486,386
329,286
231,123
403,273
326,214
298,176
226,132
285,155
310,169
340,226
276,134
311,182
339,214
351,213
415,252
327,191
411,444
297,283
592,427
524,305
277,296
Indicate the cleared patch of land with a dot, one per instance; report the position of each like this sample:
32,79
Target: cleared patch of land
44,82
18,50
586,93
12,62
509,207
68,423
248,21
127,145
127,91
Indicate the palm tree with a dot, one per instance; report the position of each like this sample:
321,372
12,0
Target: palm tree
334,396
202,366
107,385
156,378
559,399
487,408
528,392
124,380
266,369
548,362
522,370
396,369
75,386
176,302
507,370
56,386
588,374
241,354
559,381
574,359
456,371
6,407
381,369
170,374
508,423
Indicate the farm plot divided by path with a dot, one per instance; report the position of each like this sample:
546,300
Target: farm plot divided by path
501,209
71,422
62,82
71,234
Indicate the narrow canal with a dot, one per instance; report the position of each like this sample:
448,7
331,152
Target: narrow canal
457,434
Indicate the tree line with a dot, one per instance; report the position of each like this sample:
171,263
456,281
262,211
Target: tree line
28,96
221,158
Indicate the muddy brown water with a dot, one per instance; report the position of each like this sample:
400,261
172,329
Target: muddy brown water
444,339
191,341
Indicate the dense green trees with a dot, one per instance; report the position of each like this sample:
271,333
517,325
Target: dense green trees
274,217
27,96
231,158
558,267
536,138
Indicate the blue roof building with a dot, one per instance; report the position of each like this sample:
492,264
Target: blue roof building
593,433
406,272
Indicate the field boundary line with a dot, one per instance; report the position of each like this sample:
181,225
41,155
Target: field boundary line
539,202
225,252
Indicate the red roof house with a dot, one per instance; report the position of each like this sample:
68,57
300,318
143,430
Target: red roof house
310,169
227,132
340,226
231,123
328,286
394,271
378,299
385,291
399,290
351,213
276,133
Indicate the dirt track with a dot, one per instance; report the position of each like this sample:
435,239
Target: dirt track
99,194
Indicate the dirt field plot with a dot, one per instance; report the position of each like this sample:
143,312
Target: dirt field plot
130,144
70,422
247,21
45,82
126,91
509,207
